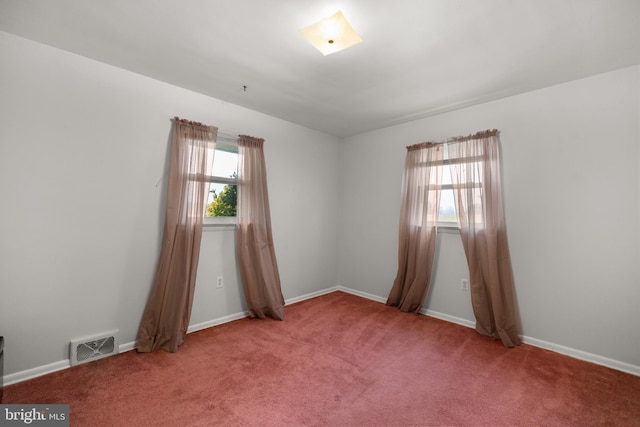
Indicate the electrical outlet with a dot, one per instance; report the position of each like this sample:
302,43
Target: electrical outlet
464,284
220,282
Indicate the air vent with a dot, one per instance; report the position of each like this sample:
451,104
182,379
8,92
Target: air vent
93,348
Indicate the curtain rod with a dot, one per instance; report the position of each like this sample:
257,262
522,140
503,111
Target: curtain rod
478,135
228,137
220,135
455,139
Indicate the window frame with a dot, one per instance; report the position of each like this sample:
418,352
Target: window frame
444,163
453,224
227,222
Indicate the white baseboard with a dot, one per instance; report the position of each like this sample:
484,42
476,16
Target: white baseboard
583,355
36,372
452,319
577,354
128,346
568,351
294,300
65,364
426,312
361,294
53,367
218,321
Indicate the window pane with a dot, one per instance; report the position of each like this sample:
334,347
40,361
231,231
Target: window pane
223,196
223,161
223,200
446,175
447,207
225,164
447,211
214,189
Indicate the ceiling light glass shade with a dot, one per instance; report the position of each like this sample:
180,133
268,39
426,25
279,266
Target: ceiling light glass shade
332,34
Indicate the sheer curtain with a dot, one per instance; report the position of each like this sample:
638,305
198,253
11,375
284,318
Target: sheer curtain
421,186
478,198
256,253
166,317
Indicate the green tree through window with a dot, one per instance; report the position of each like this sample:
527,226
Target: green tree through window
225,203
222,174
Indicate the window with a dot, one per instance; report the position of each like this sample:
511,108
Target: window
447,214
222,174
471,179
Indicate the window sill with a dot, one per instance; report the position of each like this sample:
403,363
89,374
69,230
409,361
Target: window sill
219,227
448,228
220,223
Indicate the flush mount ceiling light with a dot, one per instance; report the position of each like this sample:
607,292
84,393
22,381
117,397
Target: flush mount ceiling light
332,34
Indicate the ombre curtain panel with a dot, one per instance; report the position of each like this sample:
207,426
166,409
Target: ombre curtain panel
166,316
478,198
475,174
421,187
255,249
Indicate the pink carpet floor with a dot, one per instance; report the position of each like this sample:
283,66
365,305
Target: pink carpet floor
340,360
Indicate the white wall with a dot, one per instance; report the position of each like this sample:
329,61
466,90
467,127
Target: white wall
571,192
83,149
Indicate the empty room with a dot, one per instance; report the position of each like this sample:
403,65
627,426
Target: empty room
306,212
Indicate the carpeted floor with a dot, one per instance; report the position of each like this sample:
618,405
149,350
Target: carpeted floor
340,360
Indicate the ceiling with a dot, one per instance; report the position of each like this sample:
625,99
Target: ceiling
417,58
